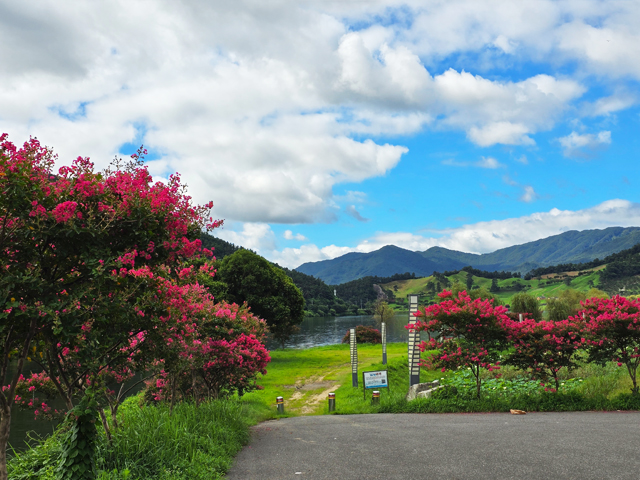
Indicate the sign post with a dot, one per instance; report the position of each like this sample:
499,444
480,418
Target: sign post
354,357
384,343
414,341
371,380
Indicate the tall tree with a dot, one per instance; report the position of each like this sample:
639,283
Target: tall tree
383,312
469,281
269,292
526,304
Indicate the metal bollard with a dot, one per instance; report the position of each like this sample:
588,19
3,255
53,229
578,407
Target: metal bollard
332,402
280,403
375,399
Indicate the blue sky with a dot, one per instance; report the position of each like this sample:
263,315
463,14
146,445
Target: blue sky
323,127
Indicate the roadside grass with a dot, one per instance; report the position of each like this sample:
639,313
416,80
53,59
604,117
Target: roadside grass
192,443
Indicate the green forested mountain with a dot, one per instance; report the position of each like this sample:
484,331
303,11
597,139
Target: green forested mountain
569,247
358,296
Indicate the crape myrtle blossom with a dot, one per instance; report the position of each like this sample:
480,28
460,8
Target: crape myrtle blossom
612,330
468,333
209,349
544,347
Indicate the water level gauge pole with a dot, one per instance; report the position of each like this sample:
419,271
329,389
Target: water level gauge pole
354,357
384,343
414,341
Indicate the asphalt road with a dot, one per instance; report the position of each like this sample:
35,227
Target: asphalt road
576,445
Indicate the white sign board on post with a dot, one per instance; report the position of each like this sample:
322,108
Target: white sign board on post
377,379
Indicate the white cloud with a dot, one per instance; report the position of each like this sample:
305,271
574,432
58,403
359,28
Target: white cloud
264,107
254,236
584,145
607,105
289,235
489,162
482,237
529,195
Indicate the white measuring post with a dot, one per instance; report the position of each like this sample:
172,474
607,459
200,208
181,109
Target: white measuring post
354,357
414,341
384,342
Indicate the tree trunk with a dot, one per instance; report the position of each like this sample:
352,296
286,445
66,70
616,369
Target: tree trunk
632,374
5,423
114,415
105,424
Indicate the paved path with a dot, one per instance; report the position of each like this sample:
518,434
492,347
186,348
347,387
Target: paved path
577,445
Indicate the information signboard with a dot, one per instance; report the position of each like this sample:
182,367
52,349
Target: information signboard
378,379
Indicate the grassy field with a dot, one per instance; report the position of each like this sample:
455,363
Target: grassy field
304,378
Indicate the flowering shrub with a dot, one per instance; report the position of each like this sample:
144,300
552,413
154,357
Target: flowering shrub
466,333
612,327
208,349
543,348
364,334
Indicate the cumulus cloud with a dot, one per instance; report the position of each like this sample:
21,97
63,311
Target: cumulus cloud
265,107
584,145
529,194
289,235
254,236
481,237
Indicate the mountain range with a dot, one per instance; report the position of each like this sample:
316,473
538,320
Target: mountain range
568,247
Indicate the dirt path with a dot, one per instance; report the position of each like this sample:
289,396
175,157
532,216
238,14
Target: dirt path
311,393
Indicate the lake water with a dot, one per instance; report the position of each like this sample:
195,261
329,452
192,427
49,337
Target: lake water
317,331
314,331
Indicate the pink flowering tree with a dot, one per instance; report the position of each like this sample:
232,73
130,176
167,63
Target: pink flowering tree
543,348
78,249
612,327
464,332
209,349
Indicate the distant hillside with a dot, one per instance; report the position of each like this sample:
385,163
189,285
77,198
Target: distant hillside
571,247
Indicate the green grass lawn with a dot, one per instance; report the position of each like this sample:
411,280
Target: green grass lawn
304,377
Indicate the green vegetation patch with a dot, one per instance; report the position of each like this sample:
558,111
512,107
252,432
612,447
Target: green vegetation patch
192,442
